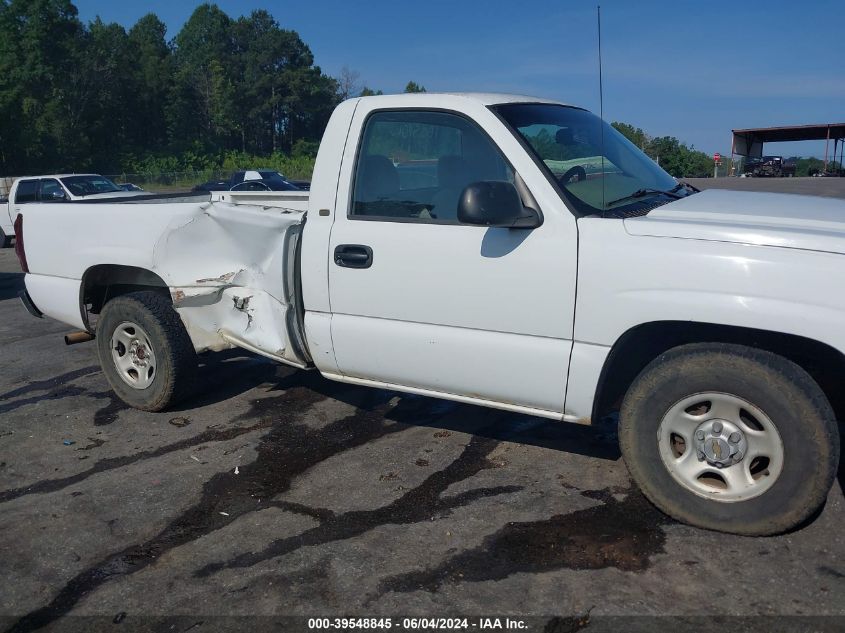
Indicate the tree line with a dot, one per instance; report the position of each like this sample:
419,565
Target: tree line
100,97
222,91
684,161
672,155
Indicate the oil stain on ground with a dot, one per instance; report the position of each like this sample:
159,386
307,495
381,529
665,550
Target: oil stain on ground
287,450
250,373
56,388
111,463
50,383
622,534
110,412
421,503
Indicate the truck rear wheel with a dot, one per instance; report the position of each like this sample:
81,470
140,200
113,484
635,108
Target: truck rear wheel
145,351
730,438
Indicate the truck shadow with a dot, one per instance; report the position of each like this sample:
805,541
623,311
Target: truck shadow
228,374
10,285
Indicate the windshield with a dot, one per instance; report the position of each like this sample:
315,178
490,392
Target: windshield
89,185
594,173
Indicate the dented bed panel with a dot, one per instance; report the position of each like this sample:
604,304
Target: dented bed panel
226,244
226,262
242,317
227,268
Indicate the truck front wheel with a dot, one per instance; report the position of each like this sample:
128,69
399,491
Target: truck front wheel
730,438
145,351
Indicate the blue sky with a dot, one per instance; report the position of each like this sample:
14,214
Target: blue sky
689,69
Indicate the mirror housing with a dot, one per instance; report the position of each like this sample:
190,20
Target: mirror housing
495,203
58,195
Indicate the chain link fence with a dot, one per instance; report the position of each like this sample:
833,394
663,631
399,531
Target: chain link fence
6,185
170,181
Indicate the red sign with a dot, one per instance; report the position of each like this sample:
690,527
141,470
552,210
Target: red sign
717,157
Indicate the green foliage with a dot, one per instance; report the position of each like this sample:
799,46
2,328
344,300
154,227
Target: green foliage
813,166
294,167
633,134
96,97
41,104
180,171
305,148
413,86
368,92
675,157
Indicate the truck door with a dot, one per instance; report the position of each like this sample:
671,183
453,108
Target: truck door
421,301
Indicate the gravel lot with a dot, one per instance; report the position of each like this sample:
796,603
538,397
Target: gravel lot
827,187
276,492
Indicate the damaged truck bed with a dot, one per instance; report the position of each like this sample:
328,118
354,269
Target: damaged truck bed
228,261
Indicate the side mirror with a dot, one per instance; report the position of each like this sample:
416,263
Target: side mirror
495,203
58,195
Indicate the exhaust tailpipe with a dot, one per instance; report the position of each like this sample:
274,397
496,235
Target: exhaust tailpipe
78,337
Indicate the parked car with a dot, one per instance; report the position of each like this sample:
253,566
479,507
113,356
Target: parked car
772,166
712,320
788,167
265,184
264,175
54,188
128,186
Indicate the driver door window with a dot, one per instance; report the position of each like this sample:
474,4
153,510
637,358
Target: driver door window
51,191
414,165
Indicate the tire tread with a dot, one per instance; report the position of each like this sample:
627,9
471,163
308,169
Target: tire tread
178,349
824,435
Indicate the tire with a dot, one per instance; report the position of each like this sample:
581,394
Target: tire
155,346
782,409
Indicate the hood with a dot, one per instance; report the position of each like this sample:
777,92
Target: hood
762,219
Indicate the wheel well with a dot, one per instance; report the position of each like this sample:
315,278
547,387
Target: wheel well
637,347
106,281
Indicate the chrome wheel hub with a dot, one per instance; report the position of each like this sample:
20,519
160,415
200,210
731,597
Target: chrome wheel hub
720,442
133,356
720,446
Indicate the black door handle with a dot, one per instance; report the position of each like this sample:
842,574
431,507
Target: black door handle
353,256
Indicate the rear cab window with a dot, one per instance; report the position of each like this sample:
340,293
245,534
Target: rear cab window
27,191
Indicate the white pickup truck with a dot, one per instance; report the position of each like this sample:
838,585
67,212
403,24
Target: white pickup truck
55,188
503,251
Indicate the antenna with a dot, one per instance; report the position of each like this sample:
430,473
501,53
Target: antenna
601,105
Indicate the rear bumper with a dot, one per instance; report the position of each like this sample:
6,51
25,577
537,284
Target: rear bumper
26,300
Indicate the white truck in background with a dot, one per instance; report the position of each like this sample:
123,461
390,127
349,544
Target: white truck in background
497,250
55,188
7,229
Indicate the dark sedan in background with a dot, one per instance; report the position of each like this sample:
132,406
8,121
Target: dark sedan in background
253,180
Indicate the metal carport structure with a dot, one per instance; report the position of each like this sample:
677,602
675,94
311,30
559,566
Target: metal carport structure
749,142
